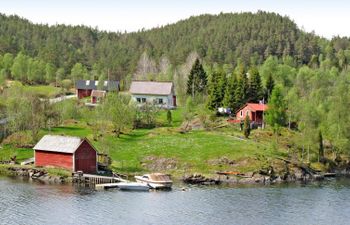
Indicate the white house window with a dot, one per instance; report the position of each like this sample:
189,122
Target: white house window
96,82
87,83
159,101
143,100
138,100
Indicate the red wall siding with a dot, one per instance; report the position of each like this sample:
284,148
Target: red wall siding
85,158
84,93
244,110
93,100
62,160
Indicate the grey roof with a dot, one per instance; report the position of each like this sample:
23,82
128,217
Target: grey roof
98,93
151,88
108,85
56,143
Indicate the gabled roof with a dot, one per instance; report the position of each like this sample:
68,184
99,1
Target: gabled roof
98,93
56,143
108,85
151,88
254,107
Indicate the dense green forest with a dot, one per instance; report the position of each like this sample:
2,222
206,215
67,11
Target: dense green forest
59,50
215,61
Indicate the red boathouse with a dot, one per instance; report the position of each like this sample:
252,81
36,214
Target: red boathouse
72,153
255,112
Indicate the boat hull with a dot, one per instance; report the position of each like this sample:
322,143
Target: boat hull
133,186
154,184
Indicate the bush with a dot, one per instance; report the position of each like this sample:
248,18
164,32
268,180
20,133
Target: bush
19,140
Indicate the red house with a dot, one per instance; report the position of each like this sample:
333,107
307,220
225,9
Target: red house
97,96
72,153
84,88
255,112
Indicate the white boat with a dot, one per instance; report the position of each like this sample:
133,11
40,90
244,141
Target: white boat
132,186
155,180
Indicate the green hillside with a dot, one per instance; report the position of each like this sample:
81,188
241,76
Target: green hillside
219,38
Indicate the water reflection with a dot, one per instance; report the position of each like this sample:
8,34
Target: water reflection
28,202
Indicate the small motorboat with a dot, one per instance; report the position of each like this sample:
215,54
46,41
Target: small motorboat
132,186
155,180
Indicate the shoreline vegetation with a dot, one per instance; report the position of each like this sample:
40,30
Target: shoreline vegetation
198,156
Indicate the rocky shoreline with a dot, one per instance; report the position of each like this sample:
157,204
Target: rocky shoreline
265,177
41,175
287,173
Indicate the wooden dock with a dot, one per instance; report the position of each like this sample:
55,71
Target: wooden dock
106,186
127,186
28,161
95,179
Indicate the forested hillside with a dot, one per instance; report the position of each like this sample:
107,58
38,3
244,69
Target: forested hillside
215,38
214,61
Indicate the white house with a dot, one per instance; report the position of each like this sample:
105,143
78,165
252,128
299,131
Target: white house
161,94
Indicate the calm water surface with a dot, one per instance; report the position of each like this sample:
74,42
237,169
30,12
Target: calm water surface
327,202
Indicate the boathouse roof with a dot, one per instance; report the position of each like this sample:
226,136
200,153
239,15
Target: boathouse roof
56,143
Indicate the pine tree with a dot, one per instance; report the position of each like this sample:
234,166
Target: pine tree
270,84
197,79
246,128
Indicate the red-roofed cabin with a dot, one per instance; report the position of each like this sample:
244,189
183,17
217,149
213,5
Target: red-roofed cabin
254,111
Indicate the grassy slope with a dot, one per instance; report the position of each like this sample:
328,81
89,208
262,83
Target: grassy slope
8,151
196,151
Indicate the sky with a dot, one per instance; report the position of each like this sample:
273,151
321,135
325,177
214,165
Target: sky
325,18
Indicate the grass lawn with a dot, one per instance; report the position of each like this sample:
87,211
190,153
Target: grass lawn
44,90
176,117
196,151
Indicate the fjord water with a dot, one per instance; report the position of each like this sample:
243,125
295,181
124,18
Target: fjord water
327,202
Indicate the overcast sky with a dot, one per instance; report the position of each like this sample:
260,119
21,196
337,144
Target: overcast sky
326,18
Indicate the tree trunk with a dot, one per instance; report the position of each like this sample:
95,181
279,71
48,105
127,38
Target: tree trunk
118,132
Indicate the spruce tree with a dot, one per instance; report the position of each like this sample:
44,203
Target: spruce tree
246,127
229,96
241,93
197,79
216,90
321,149
255,92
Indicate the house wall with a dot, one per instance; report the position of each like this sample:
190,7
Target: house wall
81,93
258,117
241,114
85,158
167,99
55,159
